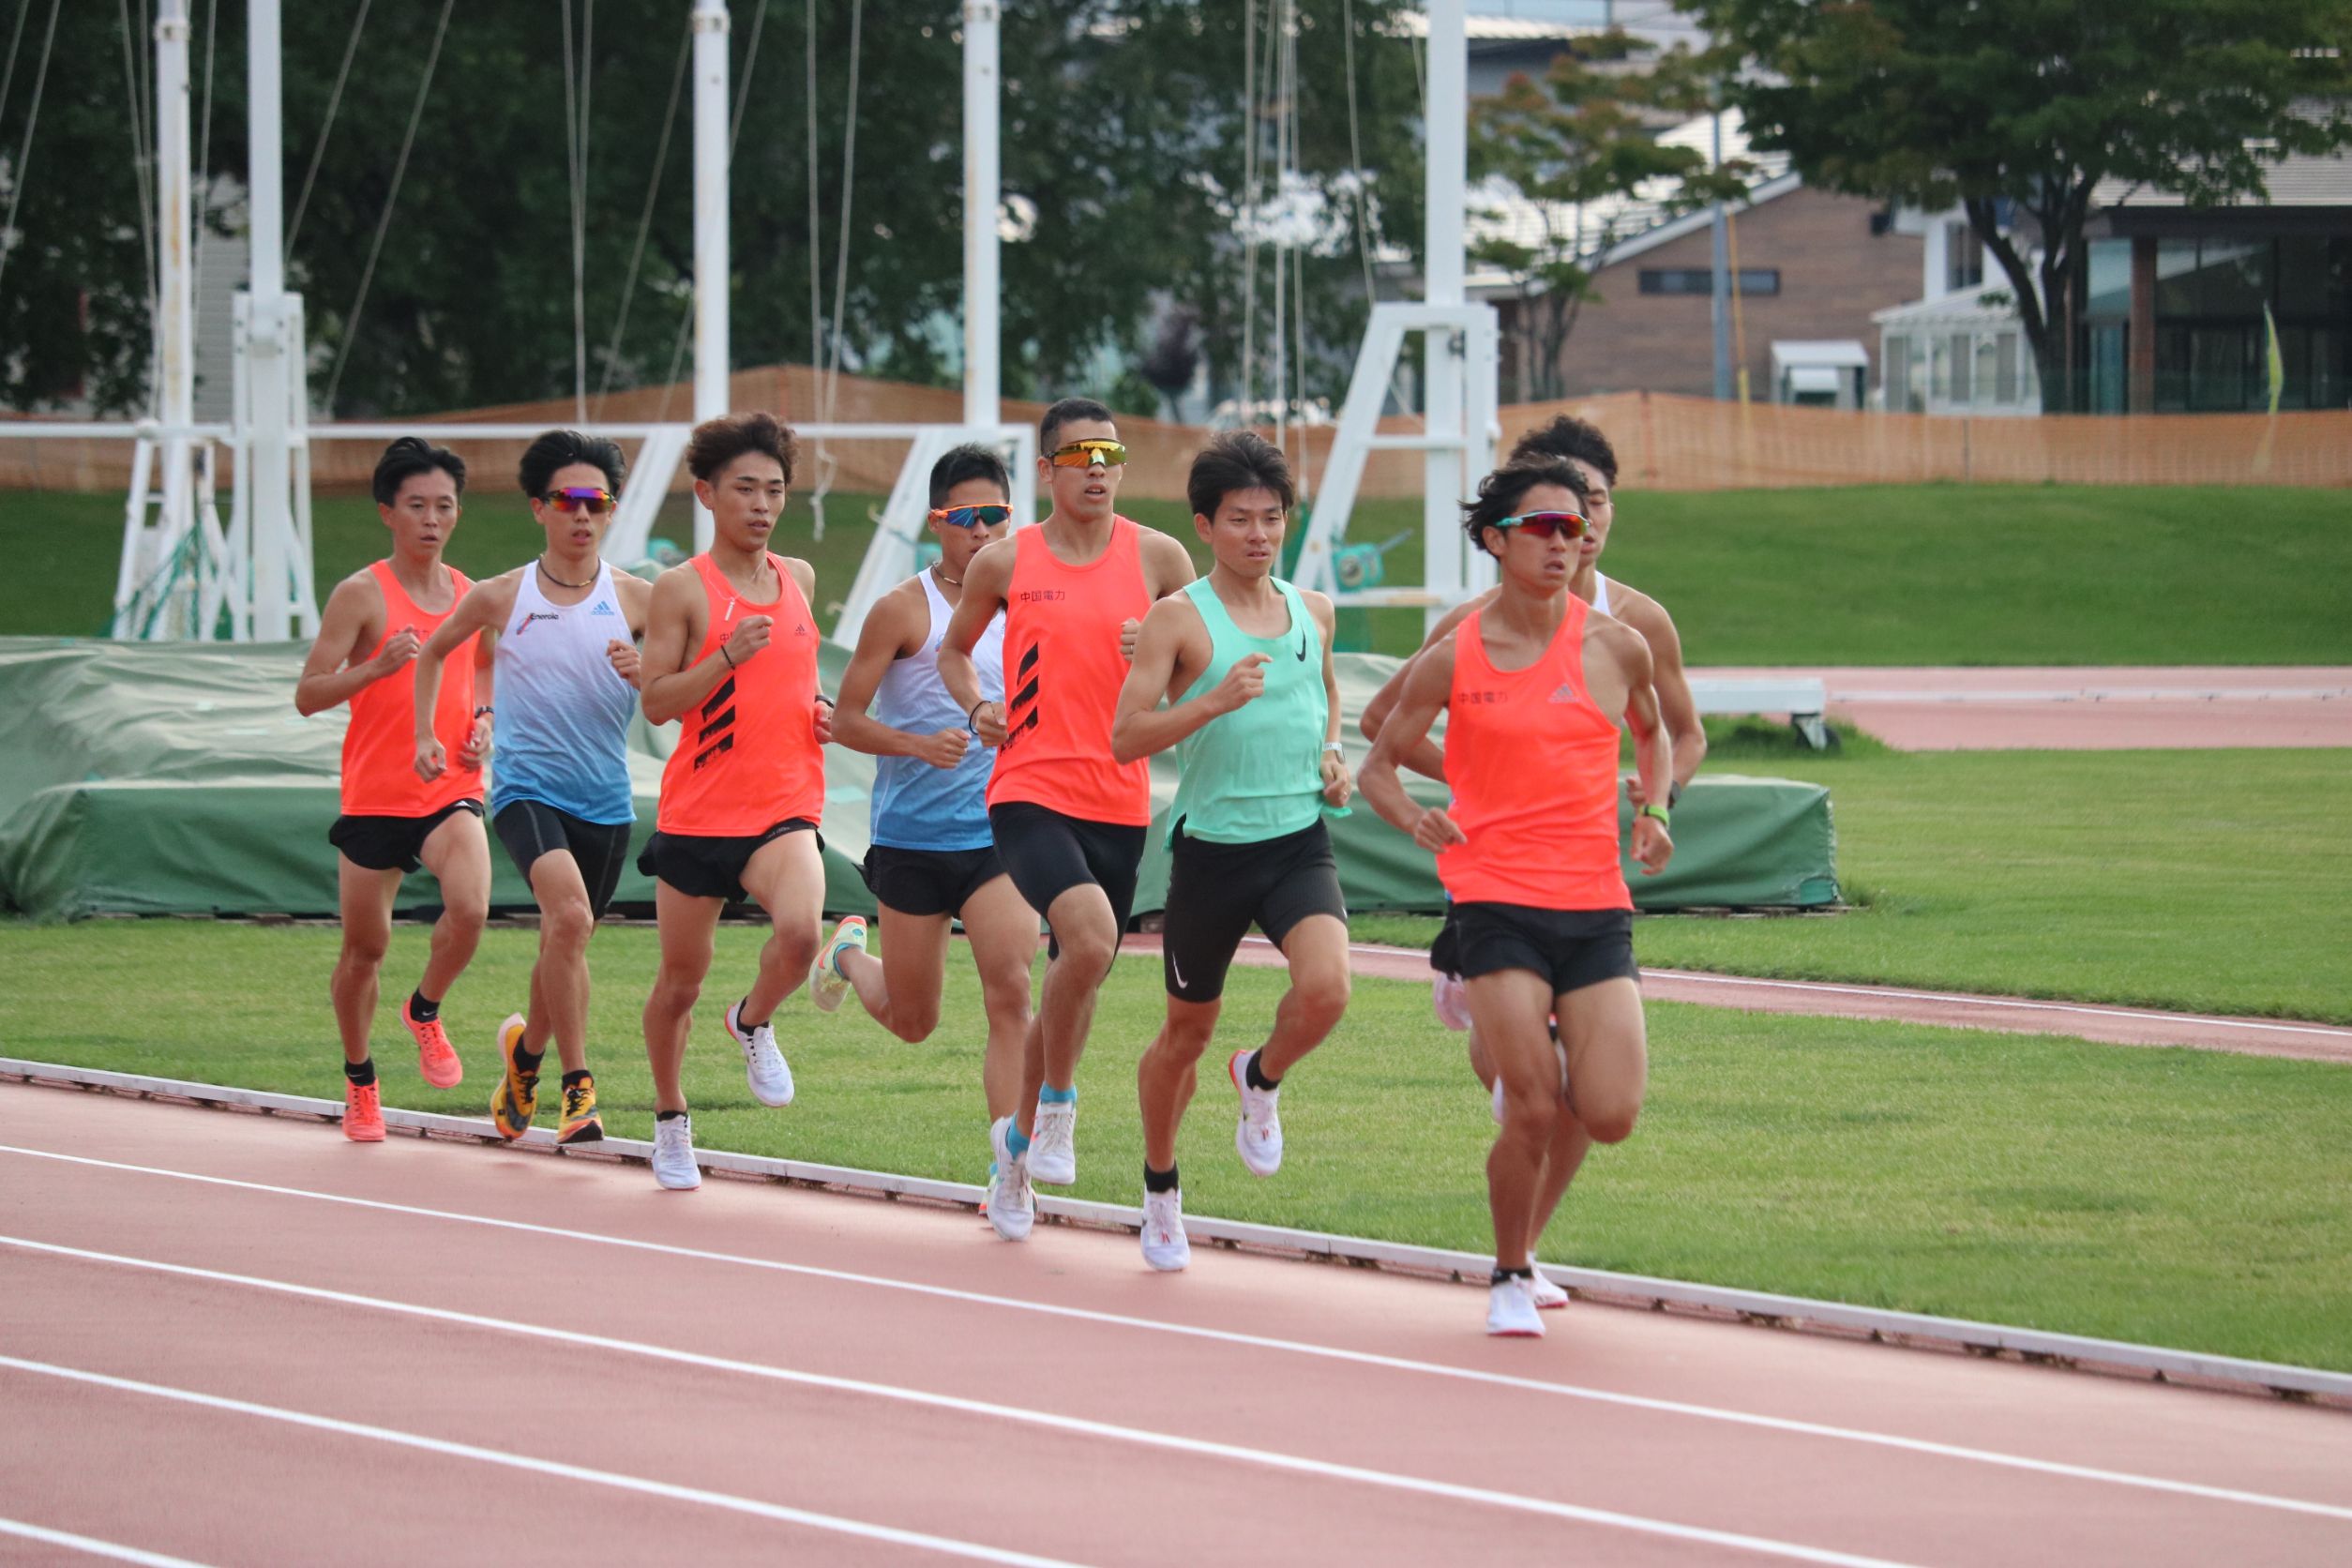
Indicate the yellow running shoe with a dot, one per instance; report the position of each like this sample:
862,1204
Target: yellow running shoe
582,1122
517,1099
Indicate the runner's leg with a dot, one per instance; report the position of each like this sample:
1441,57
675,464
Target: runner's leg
1088,933
1317,948
1608,1056
787,877
901,989
1509,1007
688,926
559,981
458,854
1004,933
364,898
1166,1077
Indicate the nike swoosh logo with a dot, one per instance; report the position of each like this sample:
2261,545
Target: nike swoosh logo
1302,647
1173,970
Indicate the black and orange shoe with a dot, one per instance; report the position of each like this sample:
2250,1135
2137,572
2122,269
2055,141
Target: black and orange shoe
582,1122
517,1099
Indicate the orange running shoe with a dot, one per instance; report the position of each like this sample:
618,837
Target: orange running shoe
582,1122
363,1113
436,1058
517,1099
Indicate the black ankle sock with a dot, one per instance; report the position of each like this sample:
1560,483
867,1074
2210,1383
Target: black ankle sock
360,1074
669,1115
743,1023
420,1009
1501,1274
1158,1181
573,1080
1255,1076
528,1060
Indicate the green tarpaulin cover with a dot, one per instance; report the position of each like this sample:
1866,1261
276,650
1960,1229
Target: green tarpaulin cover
176,778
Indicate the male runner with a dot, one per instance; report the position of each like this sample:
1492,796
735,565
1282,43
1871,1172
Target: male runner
566,628
730,649
1532,687
933,860
1244,660
1069,822
392,822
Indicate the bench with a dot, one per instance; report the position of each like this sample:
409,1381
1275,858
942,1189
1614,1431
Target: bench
1803,698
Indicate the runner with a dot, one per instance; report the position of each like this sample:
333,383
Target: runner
932,860
393,822
1532,687
566,628
1069,822
1256,726
730,649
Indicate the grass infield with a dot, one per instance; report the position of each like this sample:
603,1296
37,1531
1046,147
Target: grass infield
2167,1196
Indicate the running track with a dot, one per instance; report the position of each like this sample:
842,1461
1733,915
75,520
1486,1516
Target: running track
244,1340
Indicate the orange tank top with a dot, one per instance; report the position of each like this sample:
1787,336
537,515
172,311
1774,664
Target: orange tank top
380,747
1533,765
1063,672
747,757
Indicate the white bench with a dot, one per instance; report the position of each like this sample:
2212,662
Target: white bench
1803,698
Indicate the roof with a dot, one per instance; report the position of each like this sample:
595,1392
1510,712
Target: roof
1988,304
1826,352
2300,180
1542,20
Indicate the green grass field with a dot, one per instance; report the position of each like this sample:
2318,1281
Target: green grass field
2169,1196
1933,574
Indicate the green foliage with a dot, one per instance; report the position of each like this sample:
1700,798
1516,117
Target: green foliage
1586,134
2034,102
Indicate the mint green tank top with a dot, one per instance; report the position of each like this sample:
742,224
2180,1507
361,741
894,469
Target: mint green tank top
1255,773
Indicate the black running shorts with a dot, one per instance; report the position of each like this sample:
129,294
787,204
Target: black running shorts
705,867
1569,948
391,843
928,882
1215,891
1048,854
531,828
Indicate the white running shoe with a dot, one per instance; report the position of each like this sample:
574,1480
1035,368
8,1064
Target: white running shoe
1165,1246
1546,1296
1012,1205
827,984
763,1065
1450,999
1053,1144
1259,1135
1511,1312
673,1154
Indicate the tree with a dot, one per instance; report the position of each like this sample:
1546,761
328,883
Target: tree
2030,104
1584,137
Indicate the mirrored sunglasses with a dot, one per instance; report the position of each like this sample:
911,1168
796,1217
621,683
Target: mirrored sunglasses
1543,525
987,515
1086,454
572,498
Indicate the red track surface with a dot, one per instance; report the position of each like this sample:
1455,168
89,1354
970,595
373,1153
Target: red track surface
824,1369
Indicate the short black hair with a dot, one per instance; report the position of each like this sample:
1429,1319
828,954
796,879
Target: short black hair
716,443
1237,460
971,461
1069,411
1500,492
1567,436
561,450
408,456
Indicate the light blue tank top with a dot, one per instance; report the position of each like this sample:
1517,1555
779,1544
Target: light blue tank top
916,806
562,713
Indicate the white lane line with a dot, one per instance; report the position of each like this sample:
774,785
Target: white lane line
674,1493
91,1546
1293,1347
996,1411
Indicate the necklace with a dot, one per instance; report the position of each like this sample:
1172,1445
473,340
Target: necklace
559,583
951,581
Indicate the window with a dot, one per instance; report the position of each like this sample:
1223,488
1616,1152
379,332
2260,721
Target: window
1960,347
1754,282
1964,258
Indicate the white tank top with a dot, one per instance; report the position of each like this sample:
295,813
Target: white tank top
1600,592
916,806
563,712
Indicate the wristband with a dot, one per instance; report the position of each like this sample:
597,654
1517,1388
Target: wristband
1664,818
483,710
1334,748
728,656
973,710
828,701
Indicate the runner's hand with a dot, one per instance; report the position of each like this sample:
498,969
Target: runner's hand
431,761
988,722
478,742
1437,831
398,650
750,637
1129,630
1338,786
943,749
624,658
821,722
1244,681
1651,846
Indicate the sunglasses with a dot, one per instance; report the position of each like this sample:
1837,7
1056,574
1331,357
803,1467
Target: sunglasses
987,515
1543,525
1086,454
573,498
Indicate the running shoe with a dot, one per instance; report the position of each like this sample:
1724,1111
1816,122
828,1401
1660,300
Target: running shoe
363,1113
1012,1205
517,1099
582,1122
1546,1296
1450,999
1053,1144
1511,1311
674,1165
1165,1244
827,984
1259,1135
436,1058
762,1063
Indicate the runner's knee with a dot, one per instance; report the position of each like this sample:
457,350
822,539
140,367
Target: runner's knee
365,949
566,926
913,1021
1609,1118
1321,999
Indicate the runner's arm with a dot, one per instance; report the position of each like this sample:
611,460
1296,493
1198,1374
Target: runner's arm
1142,726
987,580
888,635
477,739
485,606
1654,751
1338,786
667,685
1677,708
1426,690
329,675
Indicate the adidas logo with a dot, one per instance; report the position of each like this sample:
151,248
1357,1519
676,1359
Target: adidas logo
1563,693
604,607
800,628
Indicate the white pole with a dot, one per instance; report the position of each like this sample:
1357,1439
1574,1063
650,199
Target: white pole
712,266
983,183
175,324
273,386
1444,480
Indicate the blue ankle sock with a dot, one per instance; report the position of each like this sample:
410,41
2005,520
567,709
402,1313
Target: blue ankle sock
1049,1096
1016,1142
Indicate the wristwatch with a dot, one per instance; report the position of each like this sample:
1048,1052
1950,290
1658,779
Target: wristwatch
485,708
1666,819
